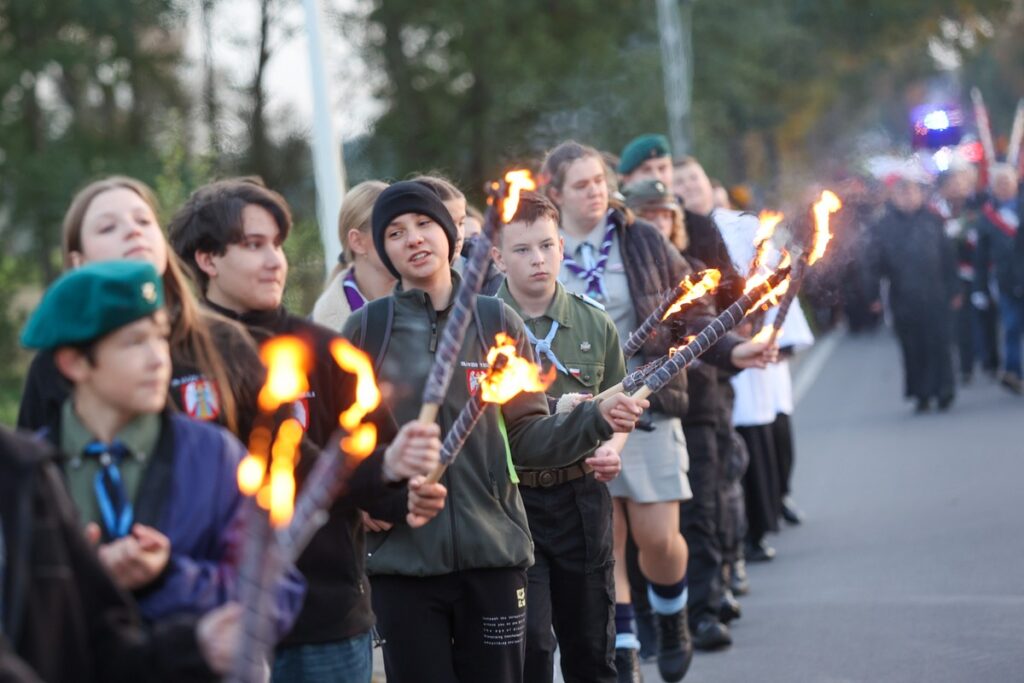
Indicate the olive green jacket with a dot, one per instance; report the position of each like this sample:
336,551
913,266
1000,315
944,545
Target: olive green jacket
483,524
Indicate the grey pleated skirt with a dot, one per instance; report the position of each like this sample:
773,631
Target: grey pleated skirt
654,464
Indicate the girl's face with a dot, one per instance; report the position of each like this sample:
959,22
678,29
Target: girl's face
583,197
417,246
118,225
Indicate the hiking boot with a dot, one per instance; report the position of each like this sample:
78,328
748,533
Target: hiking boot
675,648
627,665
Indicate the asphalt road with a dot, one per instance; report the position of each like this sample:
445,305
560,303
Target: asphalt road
909,565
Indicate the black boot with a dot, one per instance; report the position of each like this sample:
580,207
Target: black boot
647,634
627,665
711,634
675,649
738,581
729,608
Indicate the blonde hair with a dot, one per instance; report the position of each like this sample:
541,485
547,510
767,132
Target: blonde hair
191,341
356,211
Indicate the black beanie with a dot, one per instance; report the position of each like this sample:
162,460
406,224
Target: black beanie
409,197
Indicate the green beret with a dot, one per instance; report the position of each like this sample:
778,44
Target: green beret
645,194
86,303
641,149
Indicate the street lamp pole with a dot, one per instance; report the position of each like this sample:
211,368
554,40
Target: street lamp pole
328,165
677,68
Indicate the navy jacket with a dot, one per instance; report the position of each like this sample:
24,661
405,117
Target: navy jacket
189,493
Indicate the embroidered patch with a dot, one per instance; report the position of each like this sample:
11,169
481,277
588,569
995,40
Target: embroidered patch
200,400
473,377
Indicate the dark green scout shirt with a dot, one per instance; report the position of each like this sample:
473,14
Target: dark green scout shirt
587,343
140,436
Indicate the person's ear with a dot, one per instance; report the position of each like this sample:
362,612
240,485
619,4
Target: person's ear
204,260
358,242
555,196
76,259
498,261
561,248
72,363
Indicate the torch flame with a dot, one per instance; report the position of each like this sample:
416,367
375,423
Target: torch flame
706,282
823,208
767,222
509,373
287,360
282,472
765,333
518,181
772,297
362,438
676,349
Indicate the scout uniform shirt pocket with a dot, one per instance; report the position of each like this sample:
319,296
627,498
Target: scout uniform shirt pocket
588,376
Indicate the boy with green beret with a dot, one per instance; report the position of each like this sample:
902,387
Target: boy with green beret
156,489
647,156
571,585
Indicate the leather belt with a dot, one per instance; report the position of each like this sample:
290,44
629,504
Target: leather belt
547,478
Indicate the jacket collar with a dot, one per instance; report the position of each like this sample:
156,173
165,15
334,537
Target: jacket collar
418,297
272,319
558,310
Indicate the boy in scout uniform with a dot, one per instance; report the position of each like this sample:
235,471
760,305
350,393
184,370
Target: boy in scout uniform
571,585
156,489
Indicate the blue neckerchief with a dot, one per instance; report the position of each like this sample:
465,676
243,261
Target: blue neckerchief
593,272
543,346
111,496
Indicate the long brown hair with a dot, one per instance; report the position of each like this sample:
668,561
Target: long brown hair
191,341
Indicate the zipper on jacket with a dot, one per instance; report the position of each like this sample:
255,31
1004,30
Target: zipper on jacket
432,314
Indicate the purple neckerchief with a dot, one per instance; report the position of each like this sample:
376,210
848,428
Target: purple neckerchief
355,298
594,276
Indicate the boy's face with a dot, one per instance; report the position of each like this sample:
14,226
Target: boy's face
659,168
131,367
531,256
693,185
250,275
417,246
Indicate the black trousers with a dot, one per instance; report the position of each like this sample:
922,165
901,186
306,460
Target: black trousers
761,482
782,433
462,627
698,521
571,586
733,461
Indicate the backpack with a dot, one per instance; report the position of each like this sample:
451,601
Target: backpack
375,332
489,319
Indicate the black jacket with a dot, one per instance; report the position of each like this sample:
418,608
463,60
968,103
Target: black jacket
653,266
64,618
337,602
707,246
702,383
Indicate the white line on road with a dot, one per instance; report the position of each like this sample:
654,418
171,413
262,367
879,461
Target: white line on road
815,363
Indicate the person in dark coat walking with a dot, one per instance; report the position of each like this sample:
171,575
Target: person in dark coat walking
911,250
999,249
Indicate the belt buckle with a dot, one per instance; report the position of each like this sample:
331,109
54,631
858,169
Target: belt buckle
547,478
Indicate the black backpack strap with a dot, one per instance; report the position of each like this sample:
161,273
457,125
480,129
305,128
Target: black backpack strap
490,319
375,332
